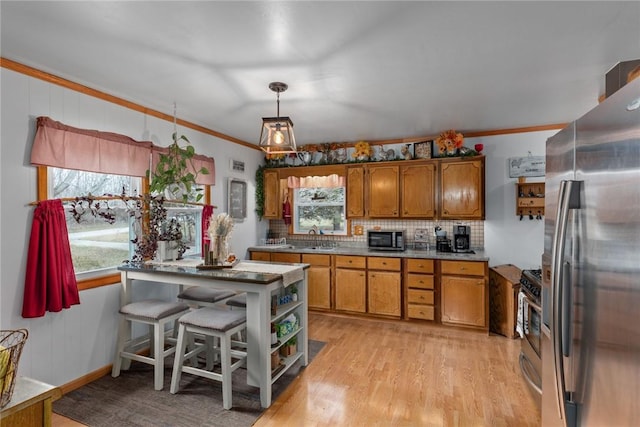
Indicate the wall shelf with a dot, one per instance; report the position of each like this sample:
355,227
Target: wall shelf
530,199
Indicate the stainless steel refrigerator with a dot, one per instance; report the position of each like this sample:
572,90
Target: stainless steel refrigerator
591,268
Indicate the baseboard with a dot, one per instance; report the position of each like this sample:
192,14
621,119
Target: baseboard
86,379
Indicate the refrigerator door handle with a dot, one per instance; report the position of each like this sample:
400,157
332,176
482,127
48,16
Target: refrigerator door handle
568,198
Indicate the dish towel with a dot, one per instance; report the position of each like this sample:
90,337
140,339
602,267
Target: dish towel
520,320
290,273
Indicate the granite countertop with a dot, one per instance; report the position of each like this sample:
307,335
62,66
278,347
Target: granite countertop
479,255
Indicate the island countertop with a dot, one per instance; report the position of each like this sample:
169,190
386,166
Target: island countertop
189,268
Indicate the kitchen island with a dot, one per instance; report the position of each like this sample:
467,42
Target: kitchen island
260,281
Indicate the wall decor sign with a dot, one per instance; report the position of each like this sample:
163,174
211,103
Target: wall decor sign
236,165
423,150
526,166
237,199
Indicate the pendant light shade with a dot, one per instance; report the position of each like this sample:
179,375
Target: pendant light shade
276,135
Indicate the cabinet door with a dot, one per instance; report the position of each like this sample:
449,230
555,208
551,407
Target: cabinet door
418,191
383,191
319,275
351,290
319,287
462,189
272,203
384,292
355,192
464,300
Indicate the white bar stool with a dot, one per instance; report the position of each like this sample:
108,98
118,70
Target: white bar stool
237,301
156,314
204,297
211,323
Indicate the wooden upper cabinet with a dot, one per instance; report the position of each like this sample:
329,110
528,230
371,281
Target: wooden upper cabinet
272,202
383,191
355,192
418,191
462,189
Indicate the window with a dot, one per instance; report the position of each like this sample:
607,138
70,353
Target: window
320,209
96,245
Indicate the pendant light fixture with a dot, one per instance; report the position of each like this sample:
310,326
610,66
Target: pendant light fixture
277,132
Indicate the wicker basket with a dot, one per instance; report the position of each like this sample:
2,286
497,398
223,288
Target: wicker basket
11,343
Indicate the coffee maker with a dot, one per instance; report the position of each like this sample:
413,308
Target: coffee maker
461,238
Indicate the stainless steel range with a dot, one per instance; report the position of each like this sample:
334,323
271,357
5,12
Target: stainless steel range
531,315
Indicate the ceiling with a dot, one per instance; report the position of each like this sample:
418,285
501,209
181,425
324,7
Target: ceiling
363,70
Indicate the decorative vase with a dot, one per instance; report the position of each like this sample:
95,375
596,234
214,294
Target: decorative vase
219,249
167,250
305,157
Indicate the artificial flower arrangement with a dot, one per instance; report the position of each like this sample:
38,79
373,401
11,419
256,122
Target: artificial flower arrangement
220,227
362,149
449,141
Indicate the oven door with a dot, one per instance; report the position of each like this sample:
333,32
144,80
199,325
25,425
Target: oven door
530,361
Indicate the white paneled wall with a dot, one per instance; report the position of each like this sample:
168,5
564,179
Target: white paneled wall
72,343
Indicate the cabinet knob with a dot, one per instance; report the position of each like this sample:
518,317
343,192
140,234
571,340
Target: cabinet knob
421,281
384,263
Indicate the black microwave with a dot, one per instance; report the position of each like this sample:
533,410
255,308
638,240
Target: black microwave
386,240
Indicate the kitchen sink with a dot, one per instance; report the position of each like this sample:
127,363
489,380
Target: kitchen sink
322,248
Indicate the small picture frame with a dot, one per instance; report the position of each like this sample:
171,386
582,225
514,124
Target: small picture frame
423,150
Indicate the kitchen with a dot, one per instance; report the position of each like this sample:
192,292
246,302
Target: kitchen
506,238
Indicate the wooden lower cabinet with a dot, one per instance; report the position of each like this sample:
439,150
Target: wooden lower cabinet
384,285
319,276
351,283
465,298
504,285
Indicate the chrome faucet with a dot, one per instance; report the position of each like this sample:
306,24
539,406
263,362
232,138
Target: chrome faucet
314,232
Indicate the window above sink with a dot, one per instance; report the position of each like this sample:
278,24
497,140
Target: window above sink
319,211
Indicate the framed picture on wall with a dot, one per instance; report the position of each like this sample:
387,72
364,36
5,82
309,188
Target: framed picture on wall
237,199
422,150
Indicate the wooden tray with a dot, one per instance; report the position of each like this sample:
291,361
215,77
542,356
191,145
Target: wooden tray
218,266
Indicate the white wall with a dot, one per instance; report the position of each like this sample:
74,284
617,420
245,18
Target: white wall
67,345
507,239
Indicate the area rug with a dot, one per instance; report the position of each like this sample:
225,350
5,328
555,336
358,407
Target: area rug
131,401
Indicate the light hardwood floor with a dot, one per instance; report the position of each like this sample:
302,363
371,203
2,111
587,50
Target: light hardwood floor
391,373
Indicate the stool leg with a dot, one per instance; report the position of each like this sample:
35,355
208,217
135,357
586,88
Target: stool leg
158,350
178,359
225,356
117,360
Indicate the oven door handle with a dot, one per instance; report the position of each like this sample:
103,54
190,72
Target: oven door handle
533,304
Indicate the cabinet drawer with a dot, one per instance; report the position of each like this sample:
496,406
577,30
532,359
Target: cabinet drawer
285,257
261,256
380,263
420,297
466,268
422,281
420,265
314,259
417,311
351,261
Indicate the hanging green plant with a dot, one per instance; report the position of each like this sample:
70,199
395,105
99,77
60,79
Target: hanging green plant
260,192
173,172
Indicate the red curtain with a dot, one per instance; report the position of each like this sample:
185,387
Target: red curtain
207,211
50,281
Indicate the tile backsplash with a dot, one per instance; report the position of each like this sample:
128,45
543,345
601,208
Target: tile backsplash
279,229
